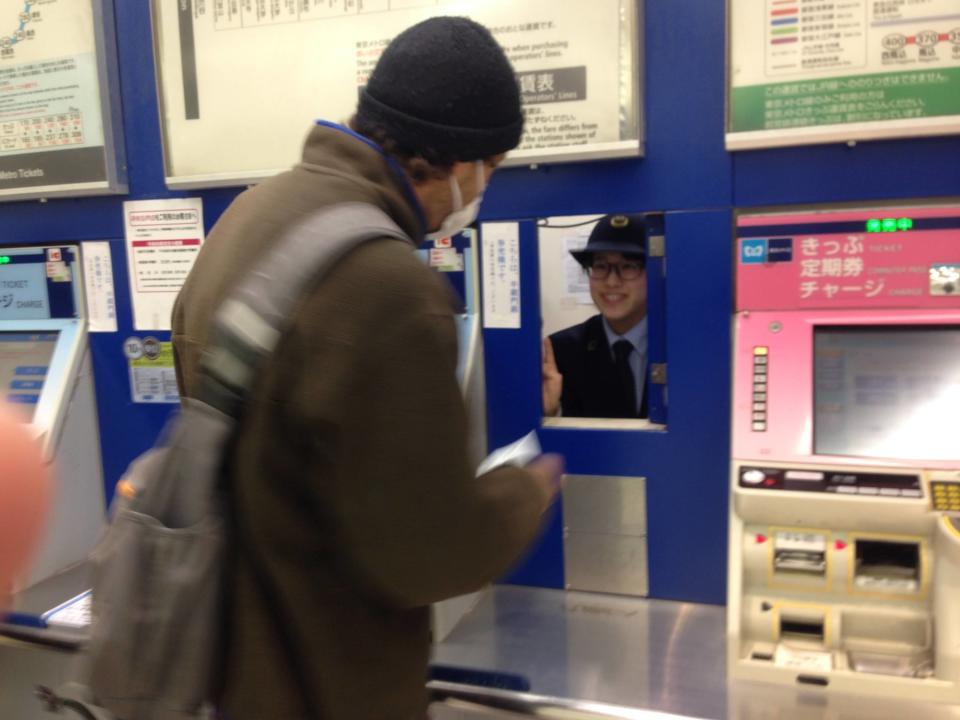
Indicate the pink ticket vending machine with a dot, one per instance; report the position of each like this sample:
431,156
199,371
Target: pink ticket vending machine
845,514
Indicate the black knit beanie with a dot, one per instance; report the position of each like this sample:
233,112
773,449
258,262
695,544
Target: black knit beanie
445,88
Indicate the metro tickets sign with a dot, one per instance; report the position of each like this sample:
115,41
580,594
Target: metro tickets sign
834,260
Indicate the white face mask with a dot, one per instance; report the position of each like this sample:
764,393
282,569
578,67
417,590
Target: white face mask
462,215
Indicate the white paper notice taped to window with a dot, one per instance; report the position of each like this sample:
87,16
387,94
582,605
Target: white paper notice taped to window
577,284
163,241
98,278
501,275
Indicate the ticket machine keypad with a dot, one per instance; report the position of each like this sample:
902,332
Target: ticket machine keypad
946,495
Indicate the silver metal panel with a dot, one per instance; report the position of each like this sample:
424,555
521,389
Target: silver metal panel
483,702
599,562
464,711
650,655
605,504
622,651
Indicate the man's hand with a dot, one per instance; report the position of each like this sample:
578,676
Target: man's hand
547,470
552,381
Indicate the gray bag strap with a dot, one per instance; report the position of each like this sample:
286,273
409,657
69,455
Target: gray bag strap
249,323
246,328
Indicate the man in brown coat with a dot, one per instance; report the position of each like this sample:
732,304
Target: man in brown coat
351,470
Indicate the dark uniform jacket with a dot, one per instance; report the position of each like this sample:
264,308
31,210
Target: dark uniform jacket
351,468
590,383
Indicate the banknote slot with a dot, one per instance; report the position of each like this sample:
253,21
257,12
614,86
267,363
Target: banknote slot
887,566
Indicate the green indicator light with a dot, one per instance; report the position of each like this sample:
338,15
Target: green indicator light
4,259
889,225
874,226
904,223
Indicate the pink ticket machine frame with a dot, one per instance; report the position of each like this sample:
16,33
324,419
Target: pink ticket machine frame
845,474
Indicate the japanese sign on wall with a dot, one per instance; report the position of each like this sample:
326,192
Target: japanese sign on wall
98,280
153,376
501,275
55,133
907,257
810,71
163,241
579,80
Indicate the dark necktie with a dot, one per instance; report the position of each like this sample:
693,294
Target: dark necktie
628,387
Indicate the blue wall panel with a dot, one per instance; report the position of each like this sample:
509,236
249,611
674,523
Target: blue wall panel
686,466
512,364
887,170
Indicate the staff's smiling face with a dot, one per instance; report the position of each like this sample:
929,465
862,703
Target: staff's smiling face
618,286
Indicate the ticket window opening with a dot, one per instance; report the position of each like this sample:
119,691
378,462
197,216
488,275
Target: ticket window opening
576,318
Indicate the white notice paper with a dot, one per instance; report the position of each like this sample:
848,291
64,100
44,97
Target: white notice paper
573,66
98,278
577,284
501,275
163,241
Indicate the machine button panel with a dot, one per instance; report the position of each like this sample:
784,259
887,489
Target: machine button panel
946,495
845,482
761,364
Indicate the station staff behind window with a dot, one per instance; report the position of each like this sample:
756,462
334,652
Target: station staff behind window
598,368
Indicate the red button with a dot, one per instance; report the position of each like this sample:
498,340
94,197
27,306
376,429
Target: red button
761,538
769,482
840,545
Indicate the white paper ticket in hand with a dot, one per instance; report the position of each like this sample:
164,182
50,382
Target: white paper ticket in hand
517,453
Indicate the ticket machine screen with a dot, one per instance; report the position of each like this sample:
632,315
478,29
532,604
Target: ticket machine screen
24,363
890,392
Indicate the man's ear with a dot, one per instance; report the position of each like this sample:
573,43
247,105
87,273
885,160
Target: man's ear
422,173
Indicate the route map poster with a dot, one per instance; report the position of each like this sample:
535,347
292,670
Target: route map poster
815,71
52,137
242,80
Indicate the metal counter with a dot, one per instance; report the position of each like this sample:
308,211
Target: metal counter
652,655
627,657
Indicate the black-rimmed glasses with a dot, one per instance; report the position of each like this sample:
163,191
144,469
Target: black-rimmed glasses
626,270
